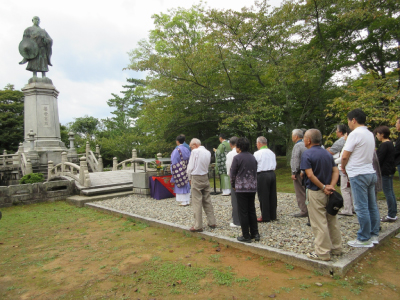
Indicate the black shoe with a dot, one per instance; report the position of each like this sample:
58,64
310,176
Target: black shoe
243,239
308,224
256,237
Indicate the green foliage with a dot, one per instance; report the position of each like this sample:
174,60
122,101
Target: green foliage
32,178
377,96
64,135
11,118
86,127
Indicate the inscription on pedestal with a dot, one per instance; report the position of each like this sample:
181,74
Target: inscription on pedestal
46,115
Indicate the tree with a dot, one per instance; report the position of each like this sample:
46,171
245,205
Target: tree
376,95
121,132
11,118
86,127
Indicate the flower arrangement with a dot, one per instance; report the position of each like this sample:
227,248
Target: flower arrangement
158,165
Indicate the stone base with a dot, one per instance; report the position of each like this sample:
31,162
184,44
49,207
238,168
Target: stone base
143,192
141,180
40,79
47,150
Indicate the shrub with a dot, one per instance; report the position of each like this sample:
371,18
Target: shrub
32,178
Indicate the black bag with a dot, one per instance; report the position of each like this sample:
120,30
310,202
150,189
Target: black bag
335,203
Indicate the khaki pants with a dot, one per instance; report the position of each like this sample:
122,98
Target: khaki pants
346,194
300,191
325,227
201,199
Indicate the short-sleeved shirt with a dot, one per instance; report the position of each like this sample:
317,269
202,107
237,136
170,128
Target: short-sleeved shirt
338,145
321,162
266,160
361,144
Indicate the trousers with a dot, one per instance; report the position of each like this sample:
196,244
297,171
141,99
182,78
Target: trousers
300,191
266,190
325,227
247,214
235,210
201,199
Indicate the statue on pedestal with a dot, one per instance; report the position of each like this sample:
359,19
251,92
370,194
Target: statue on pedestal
35,48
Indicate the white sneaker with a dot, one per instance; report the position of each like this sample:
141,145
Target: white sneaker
359,244
234,226
374,239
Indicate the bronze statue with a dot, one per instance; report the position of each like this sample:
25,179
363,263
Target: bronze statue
35,48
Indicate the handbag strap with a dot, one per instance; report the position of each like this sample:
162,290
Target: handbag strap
180,153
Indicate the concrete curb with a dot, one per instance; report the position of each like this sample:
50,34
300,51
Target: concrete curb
340,267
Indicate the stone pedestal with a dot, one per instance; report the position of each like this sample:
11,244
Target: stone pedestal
41,116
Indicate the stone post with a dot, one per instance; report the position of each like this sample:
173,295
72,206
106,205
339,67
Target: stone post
84,178
31,139
87,148
28,167
49,169
4,157
134,156
72,154
63,161
97,150
32,154
100,166
20,150
71,140
115,163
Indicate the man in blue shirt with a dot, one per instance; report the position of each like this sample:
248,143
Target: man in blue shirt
322,175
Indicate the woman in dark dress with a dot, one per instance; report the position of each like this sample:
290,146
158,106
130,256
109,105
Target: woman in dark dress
243,175
385,154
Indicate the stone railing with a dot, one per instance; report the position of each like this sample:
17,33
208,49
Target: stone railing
26,165
95,164
123,165
66,169
8,159
94,159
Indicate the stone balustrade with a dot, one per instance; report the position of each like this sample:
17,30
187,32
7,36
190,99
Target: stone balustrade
66,169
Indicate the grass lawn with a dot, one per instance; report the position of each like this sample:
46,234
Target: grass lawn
57,251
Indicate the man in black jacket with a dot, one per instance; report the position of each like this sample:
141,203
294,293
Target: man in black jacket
397,147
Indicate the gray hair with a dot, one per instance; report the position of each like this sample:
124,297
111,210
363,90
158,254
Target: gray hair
314,135
195,141
298,132
262,140
233,140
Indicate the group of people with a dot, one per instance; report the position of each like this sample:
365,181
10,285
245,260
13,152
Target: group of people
362,172
315,173
242,176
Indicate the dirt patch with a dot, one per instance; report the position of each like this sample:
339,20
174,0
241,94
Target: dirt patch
80,253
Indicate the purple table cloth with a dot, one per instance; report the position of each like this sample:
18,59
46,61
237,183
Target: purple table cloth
158,191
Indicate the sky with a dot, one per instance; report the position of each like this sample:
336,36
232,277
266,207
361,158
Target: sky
91,41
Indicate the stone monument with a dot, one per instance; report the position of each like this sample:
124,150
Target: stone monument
41,120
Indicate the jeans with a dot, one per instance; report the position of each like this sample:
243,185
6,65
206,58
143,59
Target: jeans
387,186
363,191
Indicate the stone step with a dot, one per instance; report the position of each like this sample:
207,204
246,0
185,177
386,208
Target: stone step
107,190
81,200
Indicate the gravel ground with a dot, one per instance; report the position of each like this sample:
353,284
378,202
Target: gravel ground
286,233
